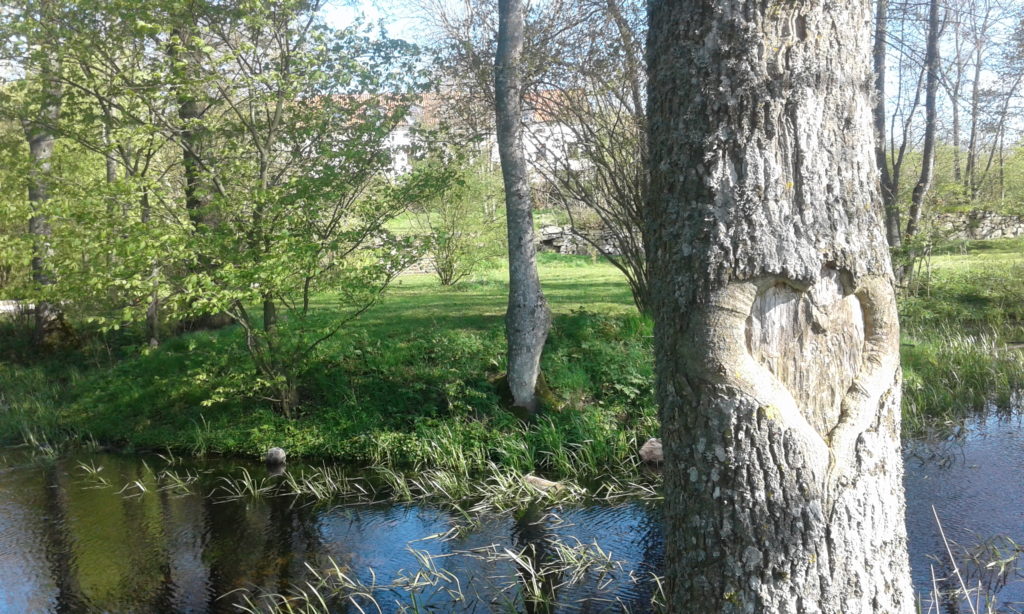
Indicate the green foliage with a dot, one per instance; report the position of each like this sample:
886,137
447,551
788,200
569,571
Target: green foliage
212,159
962,326
409,387
999,192
465,224
412,383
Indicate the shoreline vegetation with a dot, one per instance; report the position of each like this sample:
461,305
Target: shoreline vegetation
415,382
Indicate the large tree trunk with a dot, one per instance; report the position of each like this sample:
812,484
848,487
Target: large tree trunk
931,88
777,341
528,318
40,136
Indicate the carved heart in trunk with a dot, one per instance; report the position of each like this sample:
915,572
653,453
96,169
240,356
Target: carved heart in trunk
812,340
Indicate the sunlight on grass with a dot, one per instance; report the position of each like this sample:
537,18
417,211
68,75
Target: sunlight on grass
418,301
412,382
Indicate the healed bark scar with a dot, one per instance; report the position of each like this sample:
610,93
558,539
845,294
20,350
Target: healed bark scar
817,358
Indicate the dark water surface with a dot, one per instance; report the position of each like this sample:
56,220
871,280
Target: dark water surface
108,533
71,543
976,484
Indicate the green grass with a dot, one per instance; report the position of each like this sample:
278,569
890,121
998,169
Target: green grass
412,384
965,307
406,223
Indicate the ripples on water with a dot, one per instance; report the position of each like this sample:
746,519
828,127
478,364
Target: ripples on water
69,543
974,481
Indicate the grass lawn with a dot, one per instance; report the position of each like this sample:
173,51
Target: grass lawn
417,302
962,320
412,382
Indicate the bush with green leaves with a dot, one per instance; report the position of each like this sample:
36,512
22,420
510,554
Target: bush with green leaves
464,225
254,169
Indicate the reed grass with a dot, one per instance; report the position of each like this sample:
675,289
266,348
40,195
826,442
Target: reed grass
497,491
969,578
432,586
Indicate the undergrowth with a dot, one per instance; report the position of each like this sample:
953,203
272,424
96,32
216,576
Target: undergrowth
963,324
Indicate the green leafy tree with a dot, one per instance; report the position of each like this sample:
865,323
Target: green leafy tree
297,158
222,158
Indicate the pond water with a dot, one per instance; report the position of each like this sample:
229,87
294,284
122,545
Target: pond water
108,533
975,483
128,538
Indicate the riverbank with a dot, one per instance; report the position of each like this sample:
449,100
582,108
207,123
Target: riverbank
413,383
963,333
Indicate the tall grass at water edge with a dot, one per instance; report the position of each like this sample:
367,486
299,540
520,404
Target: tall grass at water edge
963,333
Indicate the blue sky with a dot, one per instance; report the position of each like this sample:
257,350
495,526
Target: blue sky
399,17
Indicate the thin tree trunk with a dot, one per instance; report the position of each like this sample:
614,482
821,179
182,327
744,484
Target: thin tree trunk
153,309
1002,170
931,88
776,334
269,315
972,144
109,159
954,102
957,164
890,188
40,136
528,318
110,164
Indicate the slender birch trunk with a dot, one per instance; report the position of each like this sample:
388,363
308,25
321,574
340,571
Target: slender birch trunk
528,318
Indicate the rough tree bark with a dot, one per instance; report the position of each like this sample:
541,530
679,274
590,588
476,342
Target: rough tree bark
776,338
528,318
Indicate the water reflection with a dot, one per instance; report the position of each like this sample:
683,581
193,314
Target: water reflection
77,538
128,538
973,481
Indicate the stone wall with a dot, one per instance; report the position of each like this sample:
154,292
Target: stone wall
563,240
979,225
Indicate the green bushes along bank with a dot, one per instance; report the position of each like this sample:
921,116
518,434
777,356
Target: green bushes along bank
415,381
